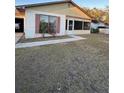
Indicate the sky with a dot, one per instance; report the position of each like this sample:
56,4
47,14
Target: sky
82,3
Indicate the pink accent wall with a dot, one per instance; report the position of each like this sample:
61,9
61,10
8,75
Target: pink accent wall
37,23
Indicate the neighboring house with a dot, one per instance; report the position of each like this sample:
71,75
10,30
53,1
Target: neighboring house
59,18
103,28
97,25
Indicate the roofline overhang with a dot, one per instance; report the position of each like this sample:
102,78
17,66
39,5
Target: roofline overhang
41,4
51,3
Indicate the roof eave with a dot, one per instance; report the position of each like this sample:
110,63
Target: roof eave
50,3
43,4
82,10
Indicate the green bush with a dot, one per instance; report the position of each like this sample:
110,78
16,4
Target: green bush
43,27
94,30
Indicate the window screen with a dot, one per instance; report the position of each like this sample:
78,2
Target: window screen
78,25
86,25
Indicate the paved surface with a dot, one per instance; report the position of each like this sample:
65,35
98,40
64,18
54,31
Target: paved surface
41,43
18,36
73,67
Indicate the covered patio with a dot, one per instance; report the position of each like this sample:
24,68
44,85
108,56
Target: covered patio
18,36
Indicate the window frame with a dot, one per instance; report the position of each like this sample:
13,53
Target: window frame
73,25
88,27
70,25
80,25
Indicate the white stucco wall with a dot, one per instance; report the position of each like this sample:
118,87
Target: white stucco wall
29,24
104,30
29,27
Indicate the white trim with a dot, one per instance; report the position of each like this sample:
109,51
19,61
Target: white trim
73,25
82,25
70,31
78,19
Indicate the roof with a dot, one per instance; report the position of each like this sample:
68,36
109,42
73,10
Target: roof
41,4
51,3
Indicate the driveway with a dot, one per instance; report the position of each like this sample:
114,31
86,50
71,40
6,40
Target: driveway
74,67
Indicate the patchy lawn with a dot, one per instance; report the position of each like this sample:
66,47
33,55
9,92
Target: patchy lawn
76,67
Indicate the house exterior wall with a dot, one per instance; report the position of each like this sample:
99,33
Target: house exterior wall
29,28
59,10
64,9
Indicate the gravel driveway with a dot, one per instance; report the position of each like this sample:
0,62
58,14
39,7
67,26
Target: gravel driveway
76,67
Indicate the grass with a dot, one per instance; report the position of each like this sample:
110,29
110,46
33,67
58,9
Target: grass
42,39
76,67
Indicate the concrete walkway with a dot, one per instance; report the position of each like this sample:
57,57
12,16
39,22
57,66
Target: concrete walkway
41,43
18,36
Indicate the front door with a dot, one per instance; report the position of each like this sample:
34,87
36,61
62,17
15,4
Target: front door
70,26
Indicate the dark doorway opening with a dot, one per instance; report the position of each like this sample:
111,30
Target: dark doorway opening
19,25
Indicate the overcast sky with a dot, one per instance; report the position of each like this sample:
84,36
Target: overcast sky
82,3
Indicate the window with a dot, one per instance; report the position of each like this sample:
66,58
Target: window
86,25
78,25
44,24
48,24
52,24
70,24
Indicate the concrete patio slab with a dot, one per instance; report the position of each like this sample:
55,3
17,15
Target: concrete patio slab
41,43
18,36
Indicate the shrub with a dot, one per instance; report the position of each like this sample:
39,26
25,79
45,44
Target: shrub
94,30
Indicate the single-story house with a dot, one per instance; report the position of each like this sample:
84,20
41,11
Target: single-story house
58,18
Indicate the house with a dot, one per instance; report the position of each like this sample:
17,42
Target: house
100,26
52,18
